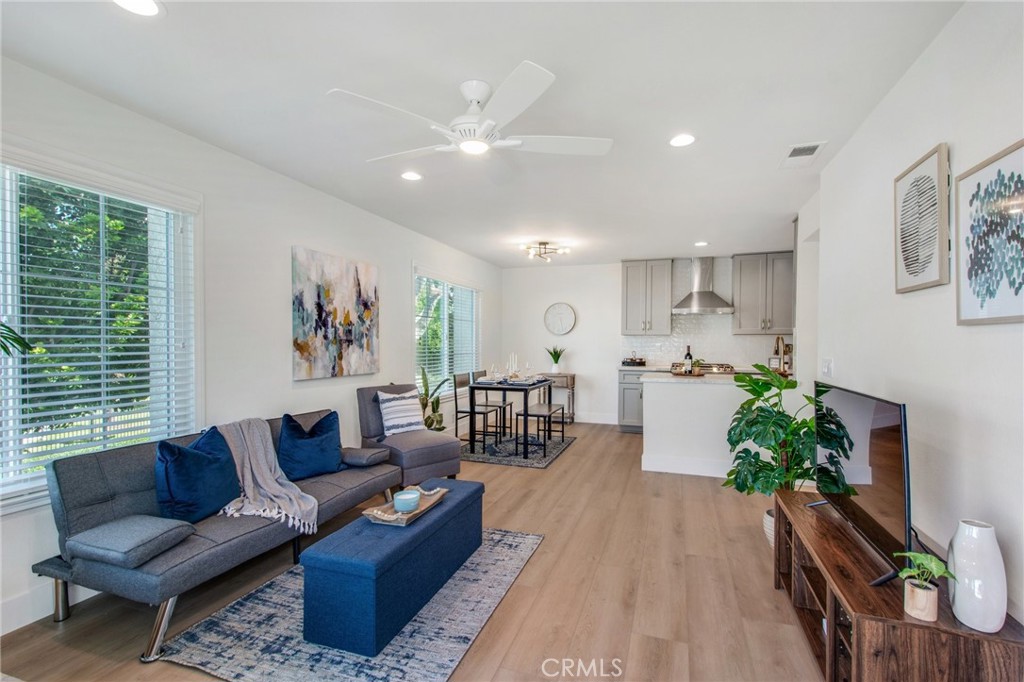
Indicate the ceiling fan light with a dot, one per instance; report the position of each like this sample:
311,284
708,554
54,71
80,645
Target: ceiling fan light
474,146
145,8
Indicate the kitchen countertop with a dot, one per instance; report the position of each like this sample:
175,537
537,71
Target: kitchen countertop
660,378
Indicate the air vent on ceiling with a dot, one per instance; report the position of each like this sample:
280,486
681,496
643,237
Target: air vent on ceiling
802,155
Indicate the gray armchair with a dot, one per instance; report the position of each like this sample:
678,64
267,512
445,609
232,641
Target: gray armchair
421,454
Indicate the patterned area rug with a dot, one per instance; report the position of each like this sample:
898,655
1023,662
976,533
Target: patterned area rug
259,637
504,453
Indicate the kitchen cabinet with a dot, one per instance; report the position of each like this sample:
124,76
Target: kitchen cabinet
631,398
647,297
631,402
763,293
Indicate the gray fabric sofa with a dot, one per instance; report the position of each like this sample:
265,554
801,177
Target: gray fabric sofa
420,454
114,492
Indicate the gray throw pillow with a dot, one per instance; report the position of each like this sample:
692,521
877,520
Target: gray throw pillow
130,541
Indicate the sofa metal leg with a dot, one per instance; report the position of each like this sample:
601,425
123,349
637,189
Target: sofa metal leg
296,549
155,648
61,606
389,495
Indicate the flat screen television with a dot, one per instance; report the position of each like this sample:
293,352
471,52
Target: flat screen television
878,469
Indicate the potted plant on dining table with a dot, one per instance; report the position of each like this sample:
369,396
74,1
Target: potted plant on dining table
785,446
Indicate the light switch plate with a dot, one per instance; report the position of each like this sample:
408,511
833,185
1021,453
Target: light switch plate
827,367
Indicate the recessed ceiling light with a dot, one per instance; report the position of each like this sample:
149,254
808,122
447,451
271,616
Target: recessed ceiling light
146,8
700,243
682,140
474,146
411,175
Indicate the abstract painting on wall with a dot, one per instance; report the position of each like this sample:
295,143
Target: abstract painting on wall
990,240
335,316
922,222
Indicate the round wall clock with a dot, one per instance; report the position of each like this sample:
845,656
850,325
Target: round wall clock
559,318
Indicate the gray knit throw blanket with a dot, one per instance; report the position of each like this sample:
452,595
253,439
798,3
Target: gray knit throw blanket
266,491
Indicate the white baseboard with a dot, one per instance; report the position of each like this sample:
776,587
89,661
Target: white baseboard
27,607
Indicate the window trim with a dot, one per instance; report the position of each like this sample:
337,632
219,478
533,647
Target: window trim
49,163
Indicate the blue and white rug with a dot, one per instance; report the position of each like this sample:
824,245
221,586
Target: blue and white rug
259,637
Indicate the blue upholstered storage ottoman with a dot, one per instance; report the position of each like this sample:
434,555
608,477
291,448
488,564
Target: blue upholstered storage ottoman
364,582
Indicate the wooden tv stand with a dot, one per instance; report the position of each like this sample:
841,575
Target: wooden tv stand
860,633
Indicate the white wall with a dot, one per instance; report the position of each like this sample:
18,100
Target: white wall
805,336
251,219
963,385
592,347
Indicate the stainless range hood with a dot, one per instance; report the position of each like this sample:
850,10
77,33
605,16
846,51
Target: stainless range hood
702,300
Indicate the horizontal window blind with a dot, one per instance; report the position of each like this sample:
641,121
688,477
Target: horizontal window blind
102,287
447,330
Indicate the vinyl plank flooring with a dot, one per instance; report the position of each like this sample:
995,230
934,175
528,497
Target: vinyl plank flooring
636,567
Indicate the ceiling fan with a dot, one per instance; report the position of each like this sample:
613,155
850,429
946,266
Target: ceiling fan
480,128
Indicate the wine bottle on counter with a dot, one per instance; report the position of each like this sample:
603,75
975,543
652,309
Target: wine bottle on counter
688,362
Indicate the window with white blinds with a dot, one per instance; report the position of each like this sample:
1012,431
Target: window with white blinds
447,330
102,289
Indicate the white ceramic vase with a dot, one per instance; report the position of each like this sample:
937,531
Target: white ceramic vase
978,594
768,523
554,368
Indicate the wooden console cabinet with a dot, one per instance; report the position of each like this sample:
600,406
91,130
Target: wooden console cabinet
860,633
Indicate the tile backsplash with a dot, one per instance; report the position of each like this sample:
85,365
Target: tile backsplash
709,336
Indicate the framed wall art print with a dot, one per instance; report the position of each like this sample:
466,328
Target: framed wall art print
922,222
990,240
335,313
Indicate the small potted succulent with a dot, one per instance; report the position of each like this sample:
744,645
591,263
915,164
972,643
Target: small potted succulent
556,354
12,342
435,420
920,597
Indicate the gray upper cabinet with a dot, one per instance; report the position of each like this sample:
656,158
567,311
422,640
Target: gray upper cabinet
647,297
763,290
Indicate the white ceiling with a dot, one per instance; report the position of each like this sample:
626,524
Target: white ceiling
747,79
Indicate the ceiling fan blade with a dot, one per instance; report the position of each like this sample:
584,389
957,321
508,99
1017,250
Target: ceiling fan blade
384,105
413,153
558,144
521,89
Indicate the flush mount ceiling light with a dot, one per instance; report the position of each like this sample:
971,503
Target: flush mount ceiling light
412,176
145,8
682,140
700,243
474,146
543,250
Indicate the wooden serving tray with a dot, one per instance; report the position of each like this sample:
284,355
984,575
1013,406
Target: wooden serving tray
404,518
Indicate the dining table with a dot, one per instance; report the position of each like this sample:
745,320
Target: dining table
506,386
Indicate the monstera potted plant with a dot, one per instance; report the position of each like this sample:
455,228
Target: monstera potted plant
785,446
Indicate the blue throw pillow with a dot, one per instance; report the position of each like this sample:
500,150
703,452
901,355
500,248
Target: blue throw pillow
302,454
196,481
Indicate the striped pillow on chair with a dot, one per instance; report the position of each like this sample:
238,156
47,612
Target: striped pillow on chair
401,412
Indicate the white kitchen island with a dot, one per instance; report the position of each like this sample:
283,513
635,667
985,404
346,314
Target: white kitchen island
685,422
